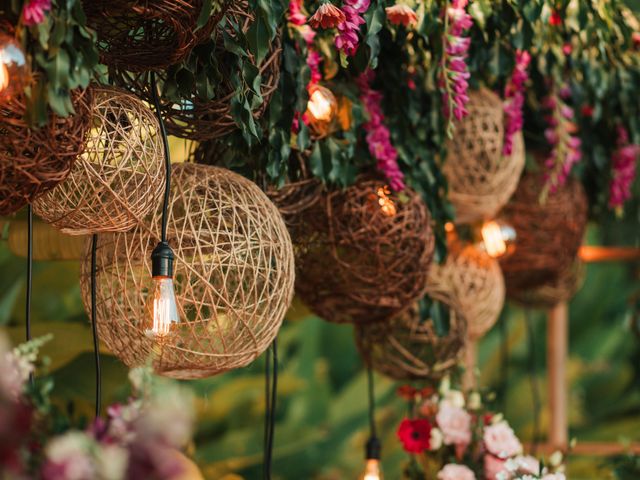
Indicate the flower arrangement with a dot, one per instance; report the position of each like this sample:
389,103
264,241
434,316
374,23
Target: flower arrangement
451,436
140,438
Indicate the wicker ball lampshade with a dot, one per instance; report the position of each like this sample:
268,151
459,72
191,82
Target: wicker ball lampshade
363,253
475,280
548,233
234,276
481,180
198,119
120,176
142,35
407,347
34,160
561,289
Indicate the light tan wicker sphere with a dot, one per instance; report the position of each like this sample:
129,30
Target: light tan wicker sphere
407,347
475,280
120,176
234,277
481,180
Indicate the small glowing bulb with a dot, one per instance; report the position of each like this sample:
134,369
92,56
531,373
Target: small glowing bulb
4,77
372,470
321,105
162,308
386,204
497,237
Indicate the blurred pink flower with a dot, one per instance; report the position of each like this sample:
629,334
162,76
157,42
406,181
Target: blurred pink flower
452,471
500,441
347,39
455,424
623,164
34,10
514,100
493,466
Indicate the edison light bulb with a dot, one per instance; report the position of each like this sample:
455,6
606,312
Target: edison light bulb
163,310
372,470
13,67
497,238
322,109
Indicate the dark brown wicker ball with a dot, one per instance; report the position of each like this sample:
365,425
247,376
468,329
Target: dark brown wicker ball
408,348
34,160
142,35
201,120
548,233
354,262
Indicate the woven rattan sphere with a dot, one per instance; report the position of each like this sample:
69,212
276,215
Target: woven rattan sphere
201,120
480,179
475,280
34,160
141,35
356,263
562,289
548,234
120,176
407,347
234,276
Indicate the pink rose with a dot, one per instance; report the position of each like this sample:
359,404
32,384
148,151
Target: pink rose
493,466
554,476
500,440
455,424
527,465
456,472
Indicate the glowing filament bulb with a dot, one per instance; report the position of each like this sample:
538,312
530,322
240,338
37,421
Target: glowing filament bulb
163,310
13,67
321,106
372,470
386,204
4,77
493,241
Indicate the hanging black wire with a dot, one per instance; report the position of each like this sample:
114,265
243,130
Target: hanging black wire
372,404
271,393
535,392
167,154
267,414
29,277
94,326
504,360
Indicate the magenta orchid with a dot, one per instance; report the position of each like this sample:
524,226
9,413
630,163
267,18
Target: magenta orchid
347,40
624,169
514,100
34,10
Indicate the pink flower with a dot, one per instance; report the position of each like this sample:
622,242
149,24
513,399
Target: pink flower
400,14
514,100
455,424
499,440
493,466
452,471
327,16
34,10
378,136
525,465
347,39
623,165
554,476
295,13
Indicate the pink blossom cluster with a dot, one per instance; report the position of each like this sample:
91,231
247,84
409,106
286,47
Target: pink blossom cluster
514,100
560,134
455,76
624,169
378,136
347,40
34,10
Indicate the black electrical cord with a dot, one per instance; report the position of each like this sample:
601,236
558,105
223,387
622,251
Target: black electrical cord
267,413
94,326
372,403
504,360
535,393
29,277
271,392
167,154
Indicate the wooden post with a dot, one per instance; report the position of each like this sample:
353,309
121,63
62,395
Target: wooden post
470,363
557,350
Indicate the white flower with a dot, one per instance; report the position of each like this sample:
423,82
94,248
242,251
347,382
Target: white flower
453,471
70,452
454,397
436,440
501,441
475,401
112,462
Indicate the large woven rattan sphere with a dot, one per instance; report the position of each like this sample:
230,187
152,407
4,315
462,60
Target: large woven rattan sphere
407,347
481,180
141,35
120,176
34,160
234,276
549,233
475,280
363,253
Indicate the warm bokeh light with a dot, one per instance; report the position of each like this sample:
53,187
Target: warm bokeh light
497,238
13,67
387,205
322,110
372,470
162,309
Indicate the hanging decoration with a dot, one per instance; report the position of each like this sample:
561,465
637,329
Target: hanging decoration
119,177
34,160
549,233
480,178
322,109
48,243
363,253
475,280
14,71
411,346
233,278
140,36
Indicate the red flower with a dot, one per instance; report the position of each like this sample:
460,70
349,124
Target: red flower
406,392
555,18
587,111
635,38
415,435
327,16
401,14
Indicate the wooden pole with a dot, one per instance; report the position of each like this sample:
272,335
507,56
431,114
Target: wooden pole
591,254
557,350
